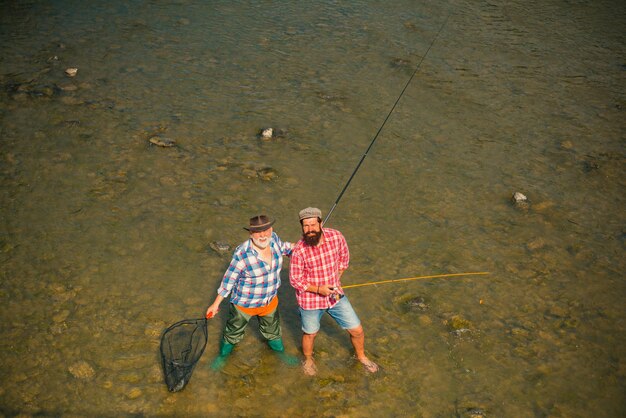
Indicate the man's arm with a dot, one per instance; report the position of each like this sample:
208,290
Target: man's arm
226,286
296,273
285,247
344,255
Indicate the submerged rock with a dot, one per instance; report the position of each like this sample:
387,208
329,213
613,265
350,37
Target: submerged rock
400,62
82,370
460,332
457,323
519,197
475,413
267,173
520,201
220,247
536,244
162,141
418,303
134,393
266,133
71,72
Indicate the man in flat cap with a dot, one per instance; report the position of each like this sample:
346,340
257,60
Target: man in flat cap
252,281
317,262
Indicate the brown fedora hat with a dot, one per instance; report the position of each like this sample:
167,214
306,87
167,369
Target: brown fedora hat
259,223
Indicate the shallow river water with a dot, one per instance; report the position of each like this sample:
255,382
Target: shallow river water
105,239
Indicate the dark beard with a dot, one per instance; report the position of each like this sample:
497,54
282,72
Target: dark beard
312,238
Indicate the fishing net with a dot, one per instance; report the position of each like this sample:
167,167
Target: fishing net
182,345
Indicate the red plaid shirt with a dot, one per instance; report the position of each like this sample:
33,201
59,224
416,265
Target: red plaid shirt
318,266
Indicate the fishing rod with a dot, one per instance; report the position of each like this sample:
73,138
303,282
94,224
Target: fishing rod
415,278
384,122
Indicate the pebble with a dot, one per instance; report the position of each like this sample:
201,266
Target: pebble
536,244
134,393
458,323
417,302
219,247
82,370
162,141
400,62
520,331
267,173
266,133
520,200
61,316
71,72
68,86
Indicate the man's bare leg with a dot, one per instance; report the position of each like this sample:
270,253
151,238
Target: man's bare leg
357,337
308,366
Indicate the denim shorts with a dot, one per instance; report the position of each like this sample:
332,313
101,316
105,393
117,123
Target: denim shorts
342,312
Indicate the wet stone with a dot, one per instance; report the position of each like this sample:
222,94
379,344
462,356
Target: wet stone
220,247
82,370
418,303
536,244
330,97
68,87
520,201
458,323
134,393
475,413
162,141
267,174
589,166
266,134
61,316
520,332
461,332
400,62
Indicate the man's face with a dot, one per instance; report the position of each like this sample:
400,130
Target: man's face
262,239
311,231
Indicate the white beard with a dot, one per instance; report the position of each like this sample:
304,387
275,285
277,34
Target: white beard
261,244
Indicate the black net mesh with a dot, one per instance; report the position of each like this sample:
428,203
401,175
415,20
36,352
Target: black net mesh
182,345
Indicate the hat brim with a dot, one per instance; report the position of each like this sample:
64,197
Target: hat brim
260,228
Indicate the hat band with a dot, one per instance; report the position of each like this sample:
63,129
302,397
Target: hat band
261,227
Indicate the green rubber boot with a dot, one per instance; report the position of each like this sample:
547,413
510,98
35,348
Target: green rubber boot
220,361
226,348
276,345
279,348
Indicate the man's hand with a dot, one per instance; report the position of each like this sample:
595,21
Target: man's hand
212,311
326,290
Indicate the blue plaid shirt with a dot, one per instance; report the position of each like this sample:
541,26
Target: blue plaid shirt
249,280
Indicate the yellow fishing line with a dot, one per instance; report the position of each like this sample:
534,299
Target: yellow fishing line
416,278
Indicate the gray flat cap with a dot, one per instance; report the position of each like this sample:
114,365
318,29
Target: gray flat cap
310,213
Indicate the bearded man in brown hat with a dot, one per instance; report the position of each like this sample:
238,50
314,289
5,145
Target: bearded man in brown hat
252,281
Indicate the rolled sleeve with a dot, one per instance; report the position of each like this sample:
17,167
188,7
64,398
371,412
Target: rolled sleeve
230,277
286,248
344,254
296,273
